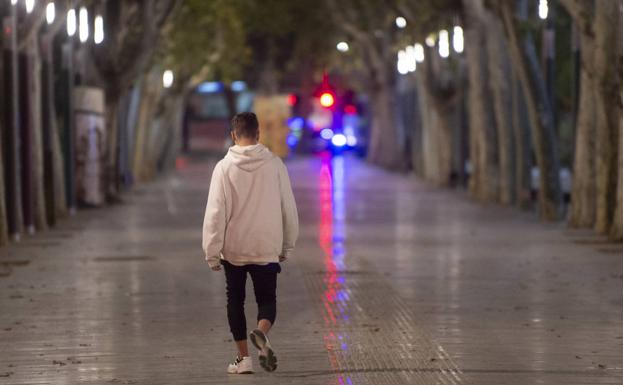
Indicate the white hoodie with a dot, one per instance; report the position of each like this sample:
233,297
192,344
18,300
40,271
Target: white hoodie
251,215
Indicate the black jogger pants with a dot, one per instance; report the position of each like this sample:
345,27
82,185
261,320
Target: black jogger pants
264,279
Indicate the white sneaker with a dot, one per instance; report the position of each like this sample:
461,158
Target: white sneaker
242,365
267,357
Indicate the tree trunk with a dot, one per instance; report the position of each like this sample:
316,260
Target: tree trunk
499,65
40,216
583,198
112,124
60,196
606,100
539,112
4,228
383,139
421,120
523,150
4,224
442,95
149,99
616,231
483,183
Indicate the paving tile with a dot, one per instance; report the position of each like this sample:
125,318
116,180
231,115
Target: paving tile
393,282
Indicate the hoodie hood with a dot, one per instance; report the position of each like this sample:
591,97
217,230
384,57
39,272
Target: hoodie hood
249,158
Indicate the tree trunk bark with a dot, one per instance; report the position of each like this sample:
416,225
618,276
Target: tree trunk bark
421,121
583,197
499,65
483,183
4,228
616,231
606,100
146,110
383,139
523,150
40,216
60,196
539,112
112,123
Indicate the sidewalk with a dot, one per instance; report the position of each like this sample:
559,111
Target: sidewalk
393,282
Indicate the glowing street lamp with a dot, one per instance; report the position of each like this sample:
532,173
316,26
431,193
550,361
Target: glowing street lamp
401,22
444,44
13,2
71,22
430,40
543,9
167,79
403,65
411,62
84,24
342,46
50,12
30,5
458,41
98,26
419,52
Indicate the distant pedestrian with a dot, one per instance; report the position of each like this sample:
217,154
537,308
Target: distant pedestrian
250,225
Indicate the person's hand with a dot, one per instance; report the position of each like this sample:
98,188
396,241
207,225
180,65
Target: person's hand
282,258
216,268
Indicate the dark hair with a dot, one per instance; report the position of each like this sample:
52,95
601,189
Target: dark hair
245,125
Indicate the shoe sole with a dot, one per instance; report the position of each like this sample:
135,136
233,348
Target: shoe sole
268,359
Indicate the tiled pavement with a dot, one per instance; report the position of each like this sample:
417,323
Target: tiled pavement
393,282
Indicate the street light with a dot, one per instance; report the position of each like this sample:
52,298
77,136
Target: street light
419,52
444,44
543,9
84,25
13,2
71,22
401,22
167,78
98,34
430,40
411,62
342,46
50,12
458,41
403,65
30,5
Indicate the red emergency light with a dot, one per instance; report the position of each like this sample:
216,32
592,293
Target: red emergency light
292,99
327,99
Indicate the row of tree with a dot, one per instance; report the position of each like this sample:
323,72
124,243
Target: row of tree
37,145
491,106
